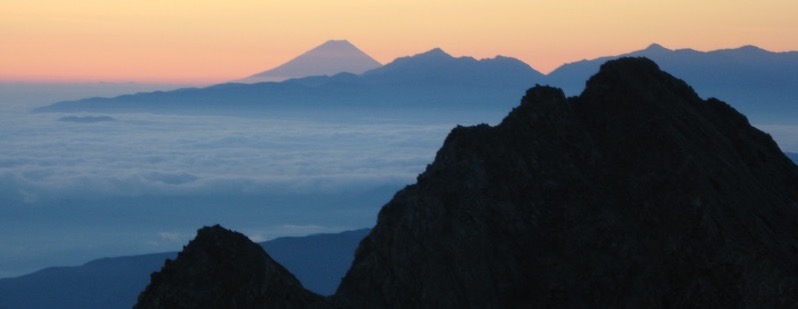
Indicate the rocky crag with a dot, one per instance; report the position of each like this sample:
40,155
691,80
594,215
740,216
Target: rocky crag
637,193
224,269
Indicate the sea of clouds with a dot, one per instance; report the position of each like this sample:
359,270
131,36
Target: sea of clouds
74,187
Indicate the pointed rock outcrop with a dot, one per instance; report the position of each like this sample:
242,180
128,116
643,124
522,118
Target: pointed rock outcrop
224,269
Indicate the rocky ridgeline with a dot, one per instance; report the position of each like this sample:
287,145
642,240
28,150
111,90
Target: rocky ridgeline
637,193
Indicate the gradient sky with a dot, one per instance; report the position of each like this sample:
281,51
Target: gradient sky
204,41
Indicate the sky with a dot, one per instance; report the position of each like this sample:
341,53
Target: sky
206,42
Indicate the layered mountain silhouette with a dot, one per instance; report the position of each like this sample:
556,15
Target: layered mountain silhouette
425,82
331,58
636,193
318,262
439,68
761,84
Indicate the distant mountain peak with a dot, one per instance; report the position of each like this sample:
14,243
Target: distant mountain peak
436,66
343,42
330,58
436,52
655,47
751,48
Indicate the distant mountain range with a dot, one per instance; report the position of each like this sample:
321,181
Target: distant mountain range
431,81
761,84
318,261
330,58
439,68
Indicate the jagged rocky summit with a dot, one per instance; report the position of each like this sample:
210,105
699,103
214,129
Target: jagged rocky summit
637,193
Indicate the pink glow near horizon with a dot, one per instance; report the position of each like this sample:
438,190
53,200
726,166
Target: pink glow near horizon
204,42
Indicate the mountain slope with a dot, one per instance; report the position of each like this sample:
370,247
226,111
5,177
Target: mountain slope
318,261
104,283
637,193
330,58
761,84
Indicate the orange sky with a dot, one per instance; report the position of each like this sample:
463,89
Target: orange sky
204,41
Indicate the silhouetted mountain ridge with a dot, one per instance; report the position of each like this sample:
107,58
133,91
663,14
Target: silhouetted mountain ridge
318,261
438,67
759,83
636,193
422,83
224,269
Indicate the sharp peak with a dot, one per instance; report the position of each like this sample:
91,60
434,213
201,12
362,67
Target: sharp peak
656,47
337,42
435,51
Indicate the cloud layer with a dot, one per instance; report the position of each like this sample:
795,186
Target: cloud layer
72,191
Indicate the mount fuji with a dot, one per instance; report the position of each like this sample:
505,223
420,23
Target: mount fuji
330,58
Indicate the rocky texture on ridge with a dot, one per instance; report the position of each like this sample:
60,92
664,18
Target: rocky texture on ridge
637,193
224,269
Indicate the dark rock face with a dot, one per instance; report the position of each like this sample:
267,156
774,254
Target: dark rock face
224,269
635,194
